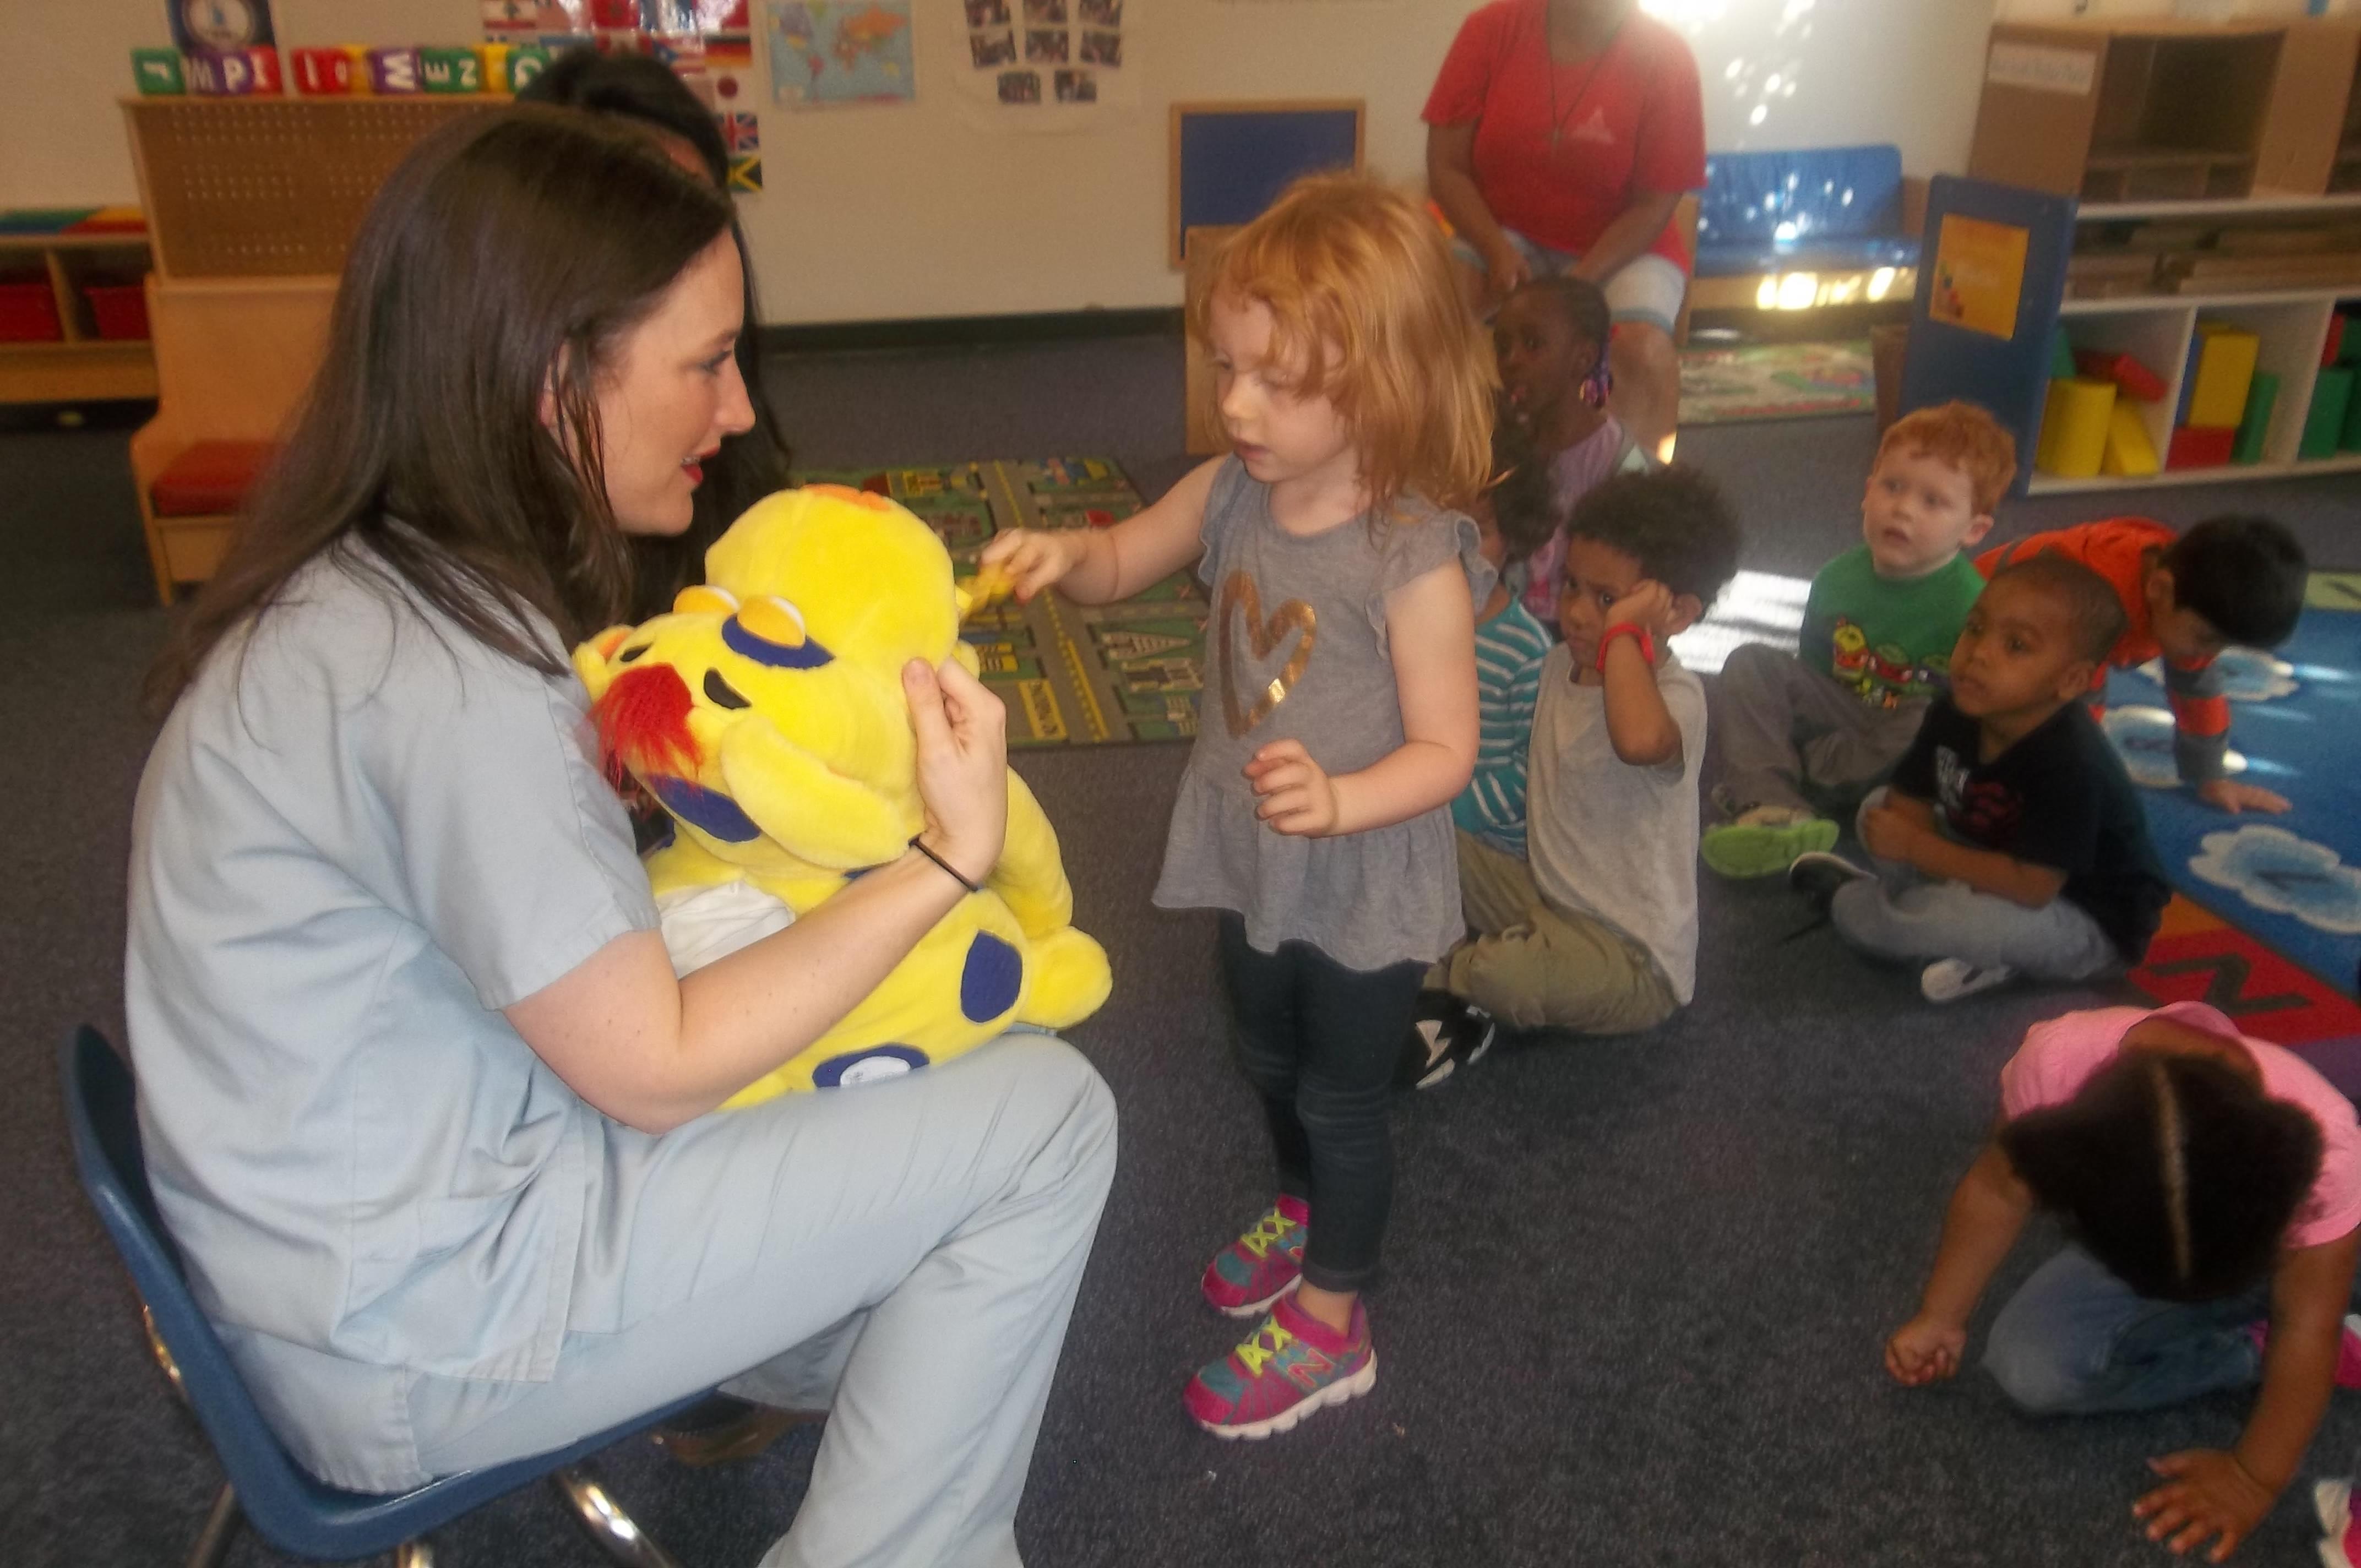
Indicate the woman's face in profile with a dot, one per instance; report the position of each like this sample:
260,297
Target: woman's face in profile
672,392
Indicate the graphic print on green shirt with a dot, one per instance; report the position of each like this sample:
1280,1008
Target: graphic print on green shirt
1887,642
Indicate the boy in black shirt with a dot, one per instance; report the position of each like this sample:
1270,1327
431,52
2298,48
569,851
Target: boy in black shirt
2010,841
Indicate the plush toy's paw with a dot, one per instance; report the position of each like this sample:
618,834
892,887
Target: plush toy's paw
1070,979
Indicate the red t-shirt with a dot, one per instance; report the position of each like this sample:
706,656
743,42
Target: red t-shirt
1631,122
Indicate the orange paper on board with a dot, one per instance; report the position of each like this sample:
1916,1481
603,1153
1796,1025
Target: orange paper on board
1979,273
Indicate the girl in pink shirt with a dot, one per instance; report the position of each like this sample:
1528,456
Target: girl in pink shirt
2206,1181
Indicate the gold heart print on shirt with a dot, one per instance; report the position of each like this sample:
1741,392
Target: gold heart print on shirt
1239,593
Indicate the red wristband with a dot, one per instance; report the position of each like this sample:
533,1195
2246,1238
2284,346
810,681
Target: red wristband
1626,629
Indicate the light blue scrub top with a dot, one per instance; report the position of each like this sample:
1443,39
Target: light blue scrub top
352,847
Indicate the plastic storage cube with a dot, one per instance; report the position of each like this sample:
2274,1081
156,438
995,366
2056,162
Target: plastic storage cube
29,313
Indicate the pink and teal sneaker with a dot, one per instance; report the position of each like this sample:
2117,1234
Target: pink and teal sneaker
1289,1367
1261,1266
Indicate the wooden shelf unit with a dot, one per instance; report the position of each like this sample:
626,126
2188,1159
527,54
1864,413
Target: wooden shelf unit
82,367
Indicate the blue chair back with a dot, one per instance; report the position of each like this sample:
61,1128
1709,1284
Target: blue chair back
284,1503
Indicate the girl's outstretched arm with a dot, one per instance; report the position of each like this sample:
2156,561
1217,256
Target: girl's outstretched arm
1988,1210
1097,566
1431,625
2212,1495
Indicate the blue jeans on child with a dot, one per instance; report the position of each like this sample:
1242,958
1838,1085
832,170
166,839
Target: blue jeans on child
2076,1341
1904,913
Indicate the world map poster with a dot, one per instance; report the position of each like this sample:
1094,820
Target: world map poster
839,51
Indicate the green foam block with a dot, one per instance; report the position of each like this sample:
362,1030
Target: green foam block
2323,426
2255,426
2062,357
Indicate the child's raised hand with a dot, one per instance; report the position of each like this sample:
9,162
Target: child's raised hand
2209,1495
1923,1351
1032,559
1298,796
1887,833
1648,605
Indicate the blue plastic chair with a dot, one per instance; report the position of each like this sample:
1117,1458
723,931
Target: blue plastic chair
284,1504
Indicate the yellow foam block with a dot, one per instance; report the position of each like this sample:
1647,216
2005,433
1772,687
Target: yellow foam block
2129,451
2225,368
2074,422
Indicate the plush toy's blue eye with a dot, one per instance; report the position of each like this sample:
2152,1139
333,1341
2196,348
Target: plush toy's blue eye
770,632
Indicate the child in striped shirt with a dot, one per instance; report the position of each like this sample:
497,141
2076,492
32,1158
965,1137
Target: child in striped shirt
1514,518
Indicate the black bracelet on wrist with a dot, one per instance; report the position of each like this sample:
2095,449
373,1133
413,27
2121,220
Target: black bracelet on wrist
918,843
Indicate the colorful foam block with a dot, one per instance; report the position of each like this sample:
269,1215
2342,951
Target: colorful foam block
451,69
2225,365
157,72
2323,426
2188,378
2201,447
2348,347
2255,429
2330,351
319,73
234,73
495,58
2062,357
394,71
525,62
359,55
2130,378
2350,440
2074,427
2129,451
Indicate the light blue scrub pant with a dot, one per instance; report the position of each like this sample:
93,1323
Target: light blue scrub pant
904,1253
1904,913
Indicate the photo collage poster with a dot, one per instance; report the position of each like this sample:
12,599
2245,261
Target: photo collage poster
1043,55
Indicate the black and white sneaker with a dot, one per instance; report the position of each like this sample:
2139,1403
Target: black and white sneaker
1445,1034
1818,873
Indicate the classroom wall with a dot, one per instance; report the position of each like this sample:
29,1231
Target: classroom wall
892,212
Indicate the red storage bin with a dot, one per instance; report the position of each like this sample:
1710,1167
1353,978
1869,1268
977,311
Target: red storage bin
29,313
120,309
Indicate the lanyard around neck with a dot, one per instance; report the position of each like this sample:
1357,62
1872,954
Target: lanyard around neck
1599,63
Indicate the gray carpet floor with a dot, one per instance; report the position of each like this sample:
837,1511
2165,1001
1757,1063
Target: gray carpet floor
1636,1289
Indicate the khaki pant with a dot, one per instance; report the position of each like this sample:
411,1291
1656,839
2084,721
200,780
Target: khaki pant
1533,967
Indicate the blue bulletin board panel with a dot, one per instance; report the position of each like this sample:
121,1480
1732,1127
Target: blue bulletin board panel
1992,273
1230,160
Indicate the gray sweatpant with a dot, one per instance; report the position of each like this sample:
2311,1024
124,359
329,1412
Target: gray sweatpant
1791,736
1904,913
906,1252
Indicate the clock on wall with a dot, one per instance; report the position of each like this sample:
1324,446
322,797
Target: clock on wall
220,27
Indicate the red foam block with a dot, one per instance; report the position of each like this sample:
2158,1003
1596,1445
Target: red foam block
2130,378
2196,446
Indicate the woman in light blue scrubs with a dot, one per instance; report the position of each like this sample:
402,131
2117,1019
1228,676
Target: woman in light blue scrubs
424,1107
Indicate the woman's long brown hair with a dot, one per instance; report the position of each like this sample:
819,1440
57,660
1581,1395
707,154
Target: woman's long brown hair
500,265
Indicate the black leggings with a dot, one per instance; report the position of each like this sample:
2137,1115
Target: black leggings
1318,1042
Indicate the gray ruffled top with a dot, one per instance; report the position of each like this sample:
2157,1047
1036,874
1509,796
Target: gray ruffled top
1296,649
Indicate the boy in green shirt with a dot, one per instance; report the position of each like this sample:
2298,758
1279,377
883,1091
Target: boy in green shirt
1805,737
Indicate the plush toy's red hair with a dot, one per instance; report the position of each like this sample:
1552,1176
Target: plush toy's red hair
644,723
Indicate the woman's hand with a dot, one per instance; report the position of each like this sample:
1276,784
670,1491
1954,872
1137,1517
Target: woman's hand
962,732
1504,269
1034,559
1298,796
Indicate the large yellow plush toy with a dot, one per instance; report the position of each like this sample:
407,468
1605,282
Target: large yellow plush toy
767,715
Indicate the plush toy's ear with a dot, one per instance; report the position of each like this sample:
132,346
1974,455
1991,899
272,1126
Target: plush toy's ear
705,600
592,658
964,652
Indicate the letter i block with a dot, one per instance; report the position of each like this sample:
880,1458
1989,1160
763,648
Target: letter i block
450,70
394,71
323,72
157,72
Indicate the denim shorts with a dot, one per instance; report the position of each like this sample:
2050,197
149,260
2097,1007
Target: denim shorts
1647,288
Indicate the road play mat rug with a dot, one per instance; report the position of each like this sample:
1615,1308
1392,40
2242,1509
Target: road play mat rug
1070,675
2268,920
1775,380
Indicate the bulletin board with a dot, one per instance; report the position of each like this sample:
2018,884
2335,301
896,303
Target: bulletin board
1231,160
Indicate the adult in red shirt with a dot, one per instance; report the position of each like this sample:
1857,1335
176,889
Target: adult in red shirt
1561,135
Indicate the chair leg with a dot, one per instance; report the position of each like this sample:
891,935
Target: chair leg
221,1529
609,1525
